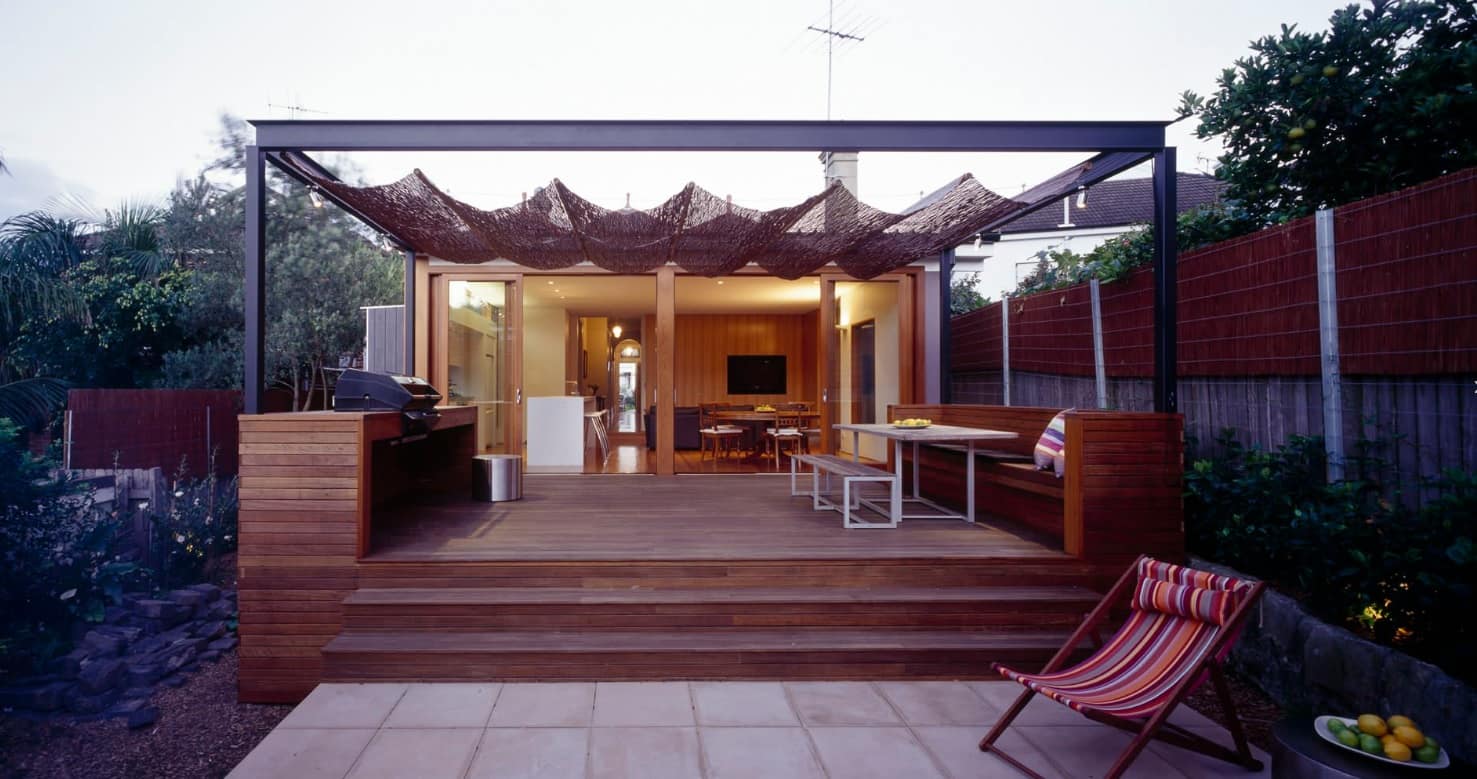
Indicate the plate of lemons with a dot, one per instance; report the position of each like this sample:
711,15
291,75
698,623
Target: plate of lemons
1395,739
912,423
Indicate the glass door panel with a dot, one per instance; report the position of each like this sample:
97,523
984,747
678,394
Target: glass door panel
480,340
865,376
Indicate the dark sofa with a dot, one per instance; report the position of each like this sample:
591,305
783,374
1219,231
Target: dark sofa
686,422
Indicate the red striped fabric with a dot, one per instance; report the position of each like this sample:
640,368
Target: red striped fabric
1166,637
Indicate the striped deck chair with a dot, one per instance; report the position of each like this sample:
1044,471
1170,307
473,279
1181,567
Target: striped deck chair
1181,625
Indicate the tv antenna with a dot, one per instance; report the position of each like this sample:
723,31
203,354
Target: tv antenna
832,35
294,110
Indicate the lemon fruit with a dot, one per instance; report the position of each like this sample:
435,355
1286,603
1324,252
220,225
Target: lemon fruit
1409,736
1397,751
1399,721
1370,744
1429,753
1348,738
1373,725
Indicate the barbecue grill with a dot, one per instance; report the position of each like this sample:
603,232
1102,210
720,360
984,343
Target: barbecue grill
413,397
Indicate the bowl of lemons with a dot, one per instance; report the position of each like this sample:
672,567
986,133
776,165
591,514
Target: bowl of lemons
912,423
764,408
1395,739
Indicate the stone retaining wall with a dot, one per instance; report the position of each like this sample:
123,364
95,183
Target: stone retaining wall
117,665
1305,663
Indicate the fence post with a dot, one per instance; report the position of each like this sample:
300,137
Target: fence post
1005,345
1328,343
1100,369
67,440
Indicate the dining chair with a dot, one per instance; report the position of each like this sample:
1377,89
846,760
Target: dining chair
785,433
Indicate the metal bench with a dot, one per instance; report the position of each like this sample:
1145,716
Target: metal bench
850,472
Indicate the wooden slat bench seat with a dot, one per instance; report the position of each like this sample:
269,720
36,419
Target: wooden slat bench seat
853,474
1120,495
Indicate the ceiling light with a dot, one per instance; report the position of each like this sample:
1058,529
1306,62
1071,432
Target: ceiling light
551,283
720,281
616,331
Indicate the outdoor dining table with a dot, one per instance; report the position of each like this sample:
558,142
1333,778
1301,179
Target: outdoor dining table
933,434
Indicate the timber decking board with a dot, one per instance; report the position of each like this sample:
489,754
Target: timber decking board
633,517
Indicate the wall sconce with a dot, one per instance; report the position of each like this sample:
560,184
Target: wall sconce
1082,197
315,198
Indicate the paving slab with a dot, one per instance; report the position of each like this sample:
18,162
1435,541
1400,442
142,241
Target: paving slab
759,753
532,753
304,753
345,706
444,706
557,704
743,703
425,753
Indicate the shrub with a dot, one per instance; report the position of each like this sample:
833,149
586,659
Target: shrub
194,527
1349,550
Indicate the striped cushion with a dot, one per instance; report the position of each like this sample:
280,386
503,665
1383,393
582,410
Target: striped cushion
1197,603
1051,447
1158,570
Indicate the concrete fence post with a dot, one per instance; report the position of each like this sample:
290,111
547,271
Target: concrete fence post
1100,369
1005,347
1328,345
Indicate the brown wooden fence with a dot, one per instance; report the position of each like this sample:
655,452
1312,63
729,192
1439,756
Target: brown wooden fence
143,428
1407,285
1248,333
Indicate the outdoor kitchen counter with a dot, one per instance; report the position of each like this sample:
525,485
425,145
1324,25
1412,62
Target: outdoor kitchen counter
310,485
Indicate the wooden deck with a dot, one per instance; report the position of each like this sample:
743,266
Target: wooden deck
691,517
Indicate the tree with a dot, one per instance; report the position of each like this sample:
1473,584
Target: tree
964,294
1383,99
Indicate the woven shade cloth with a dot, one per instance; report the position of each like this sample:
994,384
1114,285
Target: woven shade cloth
694,229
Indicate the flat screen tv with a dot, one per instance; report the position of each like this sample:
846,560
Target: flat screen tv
756,374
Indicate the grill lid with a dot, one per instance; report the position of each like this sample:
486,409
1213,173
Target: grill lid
365,391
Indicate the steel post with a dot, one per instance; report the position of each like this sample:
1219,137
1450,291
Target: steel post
1166,257
256,280
945,336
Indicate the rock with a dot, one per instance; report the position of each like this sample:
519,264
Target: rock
167,612
221,609
211,592
193,600
184,658
99,644
210,655
174,681
81,703
143,718
211,630
69,664
138,692
151,644
143,674
127,633
126,707
223,644
48,696
115,615
98,676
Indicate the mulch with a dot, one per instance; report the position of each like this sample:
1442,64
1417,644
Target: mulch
1257,712
201,732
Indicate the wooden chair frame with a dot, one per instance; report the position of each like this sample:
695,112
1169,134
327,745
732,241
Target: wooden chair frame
1157,726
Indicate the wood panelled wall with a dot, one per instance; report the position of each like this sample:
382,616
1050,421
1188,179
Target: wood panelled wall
704,342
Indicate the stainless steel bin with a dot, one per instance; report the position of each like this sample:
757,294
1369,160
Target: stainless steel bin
497,477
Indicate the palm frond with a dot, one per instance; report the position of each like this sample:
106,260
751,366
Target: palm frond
132,233
32,402
42,242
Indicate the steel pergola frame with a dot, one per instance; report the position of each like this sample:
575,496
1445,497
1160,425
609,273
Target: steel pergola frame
275,137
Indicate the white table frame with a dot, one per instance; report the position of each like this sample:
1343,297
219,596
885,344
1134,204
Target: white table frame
916,436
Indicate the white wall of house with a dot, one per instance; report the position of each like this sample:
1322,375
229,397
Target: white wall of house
544,332
859,302
1004,263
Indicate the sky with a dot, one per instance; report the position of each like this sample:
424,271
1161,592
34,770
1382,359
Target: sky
104,102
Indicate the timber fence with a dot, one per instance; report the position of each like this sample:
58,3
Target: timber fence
149,428
1384,342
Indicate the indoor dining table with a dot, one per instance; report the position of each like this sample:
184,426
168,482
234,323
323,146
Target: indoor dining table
933,434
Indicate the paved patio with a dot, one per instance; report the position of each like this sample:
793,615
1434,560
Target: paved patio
716,730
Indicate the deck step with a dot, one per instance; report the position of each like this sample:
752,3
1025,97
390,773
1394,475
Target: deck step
474,609
434,655
843,573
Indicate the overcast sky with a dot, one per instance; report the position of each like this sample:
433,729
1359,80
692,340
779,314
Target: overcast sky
117,100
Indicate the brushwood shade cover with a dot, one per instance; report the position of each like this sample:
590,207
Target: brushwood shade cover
694,229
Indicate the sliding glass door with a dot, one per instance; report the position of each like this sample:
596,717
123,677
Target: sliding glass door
477,324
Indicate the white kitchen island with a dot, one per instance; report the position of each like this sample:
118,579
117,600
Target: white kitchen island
556,433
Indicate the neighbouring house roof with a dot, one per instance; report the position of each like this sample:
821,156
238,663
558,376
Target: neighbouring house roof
1119,203
694,229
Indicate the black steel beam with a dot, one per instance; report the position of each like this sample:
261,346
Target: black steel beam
256,280
575,135
1166,297
276,159
409,312
946,336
